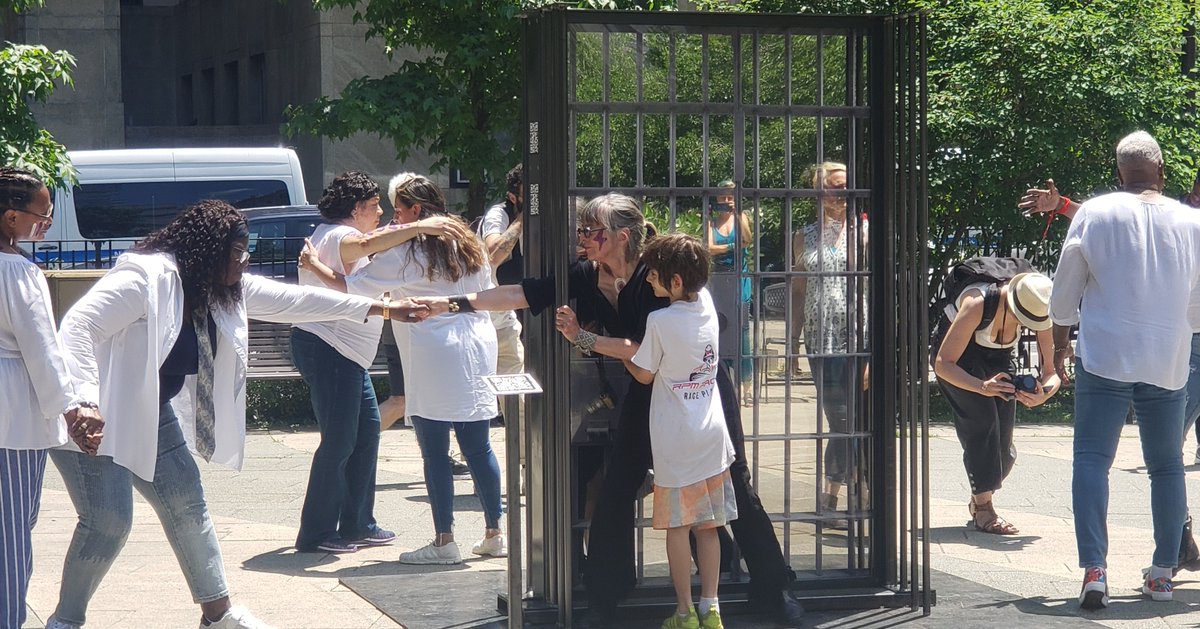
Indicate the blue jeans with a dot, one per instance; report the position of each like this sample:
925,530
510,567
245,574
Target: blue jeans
340,500
102,492
1100,408
434,438
1193,390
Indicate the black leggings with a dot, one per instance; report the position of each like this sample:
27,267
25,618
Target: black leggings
984,424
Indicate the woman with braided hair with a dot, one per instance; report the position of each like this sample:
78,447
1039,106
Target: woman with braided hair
161,342
40,402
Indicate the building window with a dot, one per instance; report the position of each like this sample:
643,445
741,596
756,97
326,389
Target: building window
205,98
256,90
185,110
230,94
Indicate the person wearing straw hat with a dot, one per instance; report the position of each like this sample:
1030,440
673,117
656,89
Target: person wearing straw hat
974,368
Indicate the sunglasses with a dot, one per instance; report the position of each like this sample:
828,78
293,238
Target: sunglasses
241,255
586,232
49,215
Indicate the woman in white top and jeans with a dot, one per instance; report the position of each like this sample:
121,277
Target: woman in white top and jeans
449,357
35,386
161,342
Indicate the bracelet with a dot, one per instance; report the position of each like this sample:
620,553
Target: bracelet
586,341
1062,350
1062,209
461,304
387,308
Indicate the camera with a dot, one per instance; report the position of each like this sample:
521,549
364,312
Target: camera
1023,382
600,402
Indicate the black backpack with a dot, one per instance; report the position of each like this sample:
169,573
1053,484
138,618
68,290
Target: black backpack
985,269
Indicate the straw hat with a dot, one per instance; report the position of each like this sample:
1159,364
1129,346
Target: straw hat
1029,299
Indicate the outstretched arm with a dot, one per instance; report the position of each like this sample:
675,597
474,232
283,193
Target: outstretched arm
354,247
1048,199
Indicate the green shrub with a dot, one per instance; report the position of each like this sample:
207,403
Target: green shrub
286,403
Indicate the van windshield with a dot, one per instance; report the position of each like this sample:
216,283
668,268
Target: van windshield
134,209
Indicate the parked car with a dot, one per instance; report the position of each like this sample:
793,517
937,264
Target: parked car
122,195
276,237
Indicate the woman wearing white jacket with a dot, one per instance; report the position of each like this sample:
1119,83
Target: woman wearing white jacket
161,341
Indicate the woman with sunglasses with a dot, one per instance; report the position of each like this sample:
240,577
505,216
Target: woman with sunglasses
161,342
612,231
41,404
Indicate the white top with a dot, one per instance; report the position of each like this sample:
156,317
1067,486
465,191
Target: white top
356,340
445,357
1127,273
987,336
119,333
34,383
688,436
495,221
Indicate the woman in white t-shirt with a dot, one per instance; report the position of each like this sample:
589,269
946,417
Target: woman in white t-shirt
454,353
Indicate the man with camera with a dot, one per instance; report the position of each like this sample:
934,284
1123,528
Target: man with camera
974,367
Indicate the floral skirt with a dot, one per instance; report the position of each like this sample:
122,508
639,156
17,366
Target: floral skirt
707,504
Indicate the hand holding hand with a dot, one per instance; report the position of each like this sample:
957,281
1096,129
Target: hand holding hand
566,322
1041,201
86,428
436,305
409,311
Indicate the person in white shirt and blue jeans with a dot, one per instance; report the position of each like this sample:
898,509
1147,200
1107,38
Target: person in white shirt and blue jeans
1127,275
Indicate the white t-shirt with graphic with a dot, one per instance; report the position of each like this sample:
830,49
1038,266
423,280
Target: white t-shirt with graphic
688,436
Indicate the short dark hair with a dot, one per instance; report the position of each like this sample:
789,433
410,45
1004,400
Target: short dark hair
678,254
514,178
343,194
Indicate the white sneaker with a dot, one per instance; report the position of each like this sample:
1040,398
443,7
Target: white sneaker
495,546
236,618
433,555
55,623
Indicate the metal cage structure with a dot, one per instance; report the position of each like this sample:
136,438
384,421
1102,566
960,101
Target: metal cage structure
824,300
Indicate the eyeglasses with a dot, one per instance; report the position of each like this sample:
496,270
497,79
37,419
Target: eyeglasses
586,232
47,216
241,255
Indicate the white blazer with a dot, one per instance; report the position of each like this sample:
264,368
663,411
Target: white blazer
118,335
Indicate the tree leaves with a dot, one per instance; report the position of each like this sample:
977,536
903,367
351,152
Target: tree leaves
30,74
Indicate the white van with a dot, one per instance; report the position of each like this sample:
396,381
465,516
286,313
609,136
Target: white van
122,195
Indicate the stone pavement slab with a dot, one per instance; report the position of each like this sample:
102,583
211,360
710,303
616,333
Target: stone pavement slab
1028,580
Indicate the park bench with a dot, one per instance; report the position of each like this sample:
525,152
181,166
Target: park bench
270,357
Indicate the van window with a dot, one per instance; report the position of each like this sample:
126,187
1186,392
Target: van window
134,209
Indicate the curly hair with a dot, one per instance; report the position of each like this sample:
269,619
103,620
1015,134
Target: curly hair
678,254
17,187
201,239
339,199
449,260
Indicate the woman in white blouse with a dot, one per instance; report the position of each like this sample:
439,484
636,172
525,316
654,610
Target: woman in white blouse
454,354
35,386
161,341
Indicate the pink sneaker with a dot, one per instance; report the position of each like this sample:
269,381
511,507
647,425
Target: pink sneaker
1094,594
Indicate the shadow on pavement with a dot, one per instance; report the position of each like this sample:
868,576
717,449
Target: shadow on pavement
968,536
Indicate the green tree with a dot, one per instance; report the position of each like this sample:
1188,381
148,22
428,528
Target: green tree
1025,89
28,74
460,101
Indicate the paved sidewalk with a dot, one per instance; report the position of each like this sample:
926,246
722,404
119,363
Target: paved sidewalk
984,580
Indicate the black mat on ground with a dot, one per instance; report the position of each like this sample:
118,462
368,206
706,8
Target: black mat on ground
460,599
446,599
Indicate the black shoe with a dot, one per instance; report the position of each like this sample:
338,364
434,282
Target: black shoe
1189,554
790,612
459,470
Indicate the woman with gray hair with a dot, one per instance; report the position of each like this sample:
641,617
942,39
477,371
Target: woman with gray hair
612,281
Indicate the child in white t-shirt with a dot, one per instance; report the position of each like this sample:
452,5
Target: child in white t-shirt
693,492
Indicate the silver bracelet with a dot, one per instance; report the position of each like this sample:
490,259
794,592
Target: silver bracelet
586,341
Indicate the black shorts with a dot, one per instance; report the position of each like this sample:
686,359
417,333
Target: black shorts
395,370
